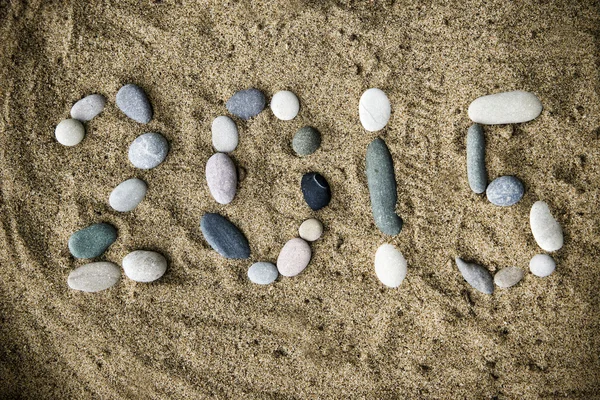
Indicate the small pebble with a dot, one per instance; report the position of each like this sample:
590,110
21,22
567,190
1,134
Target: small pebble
92,241
546,230
224,237
94,277
390,265
294,257
374,110
144,266
246,104
505,191
306,141
476,171
311,229
262,273
476,276
285,105
132,100
316,191
508,277
88,107
542,265
69,132
224,134
127,195
148,150
221,176
505,108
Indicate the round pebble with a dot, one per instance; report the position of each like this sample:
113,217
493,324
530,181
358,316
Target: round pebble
69,132
374,110
285,105
246,104
262,273
88,107
311,229
127,195
508,277
148,150
144,265
505,108
132,100
221,176
224,134
546,230
390,265
92,241
505,191
306,141
476,276
542,265
316,191
94,277
224,237
294,257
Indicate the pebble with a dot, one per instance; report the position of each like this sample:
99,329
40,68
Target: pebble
546,230
92,241
508,277
476,276
390,265
127,195
262,273
144,265
224,237
285,105
221,176
246,104
505,108
476,171
505,191
294,257
88,107
542,265
69,132
382,188
306,141
148,150
311,230
224,134
374,110
94,277
316,191
132,100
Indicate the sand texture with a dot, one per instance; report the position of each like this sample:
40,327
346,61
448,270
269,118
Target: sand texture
204,330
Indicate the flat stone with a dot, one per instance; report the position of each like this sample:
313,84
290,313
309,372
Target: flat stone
306,141
311,230
221,176
94,277
262,273
132,100
542,265
476,276
144,265
505,191
374,109
316,191
148,150
546,230
69,132
88,107
294,257
382,188
390,265
127,195
224,237
246,104
476,171
92,241
508,277
225,135
505,108
285,105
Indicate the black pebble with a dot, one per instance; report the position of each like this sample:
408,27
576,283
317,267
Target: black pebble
315,190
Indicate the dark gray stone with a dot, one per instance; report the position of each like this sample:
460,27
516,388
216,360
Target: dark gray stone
306,141
476,276
132,100
246,104
476,171
316,191
92,241
224,237
505,191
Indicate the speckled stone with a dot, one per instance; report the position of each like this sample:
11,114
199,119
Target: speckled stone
88,107
246,104
374,109
390,265
306,141
132,100
127,195
316,191
148,151
542,265
546,230
476,276
294,257
476,171
505,108
69,132
311,230
262,273
92,241
94,277
505,191
224,237
144,265
221,177
225,135
508,277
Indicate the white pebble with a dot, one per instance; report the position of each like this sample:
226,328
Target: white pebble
69,132
285,105
546,230
127,195
262,273
505,108
542,265
224,134
390,265
94,277
144,266
294,257
374,109
311,229
88,107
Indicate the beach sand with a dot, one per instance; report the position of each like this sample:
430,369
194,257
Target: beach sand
205,331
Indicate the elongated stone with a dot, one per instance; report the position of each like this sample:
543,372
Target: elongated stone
88,107
92,241
476,276
505,108
508,277
132,100
94,277
476,171
224,237
221,177
546,230
127,195
246,104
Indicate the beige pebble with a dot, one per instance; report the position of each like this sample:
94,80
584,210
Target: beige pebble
311,229
508,277
294,257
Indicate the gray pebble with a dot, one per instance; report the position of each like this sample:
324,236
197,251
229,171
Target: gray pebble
127,195
88,107
221,177
92,241
224,237
263,273
476,171
306,141
476,276
505,191
246,104
508,277
148,150
132,100
144,265
94,277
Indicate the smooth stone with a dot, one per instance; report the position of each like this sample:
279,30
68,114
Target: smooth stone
69,132
306,141
246,104
390,265
148,150
225,135
505,191
144,265
132,100
311,230
476,276
221,176
476,171
262,273
316,191
545,228
294,257
88,107
374,109
94,277
508,277
127,195
224,237
285,105
505,108
92,241
382,188
542,265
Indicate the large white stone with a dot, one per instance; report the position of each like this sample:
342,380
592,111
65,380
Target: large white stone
94,277
127,195
505,108
69,132
374,110
224,134
390,265
285,105
144,265
542,265
546,230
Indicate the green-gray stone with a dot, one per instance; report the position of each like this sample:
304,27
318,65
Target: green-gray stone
382,188
92,241
476,172
306,141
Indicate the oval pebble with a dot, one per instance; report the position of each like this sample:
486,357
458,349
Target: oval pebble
546,230
94,277
476,276
476,171
294,257
132,100
224,237
311,229
148,150
262,273
144,265
542,265
88,107
374,109
246,104
505,108
92,241
127,195
505,191
285,105
224,134
508,277
221,176
69,132
306,141
390,265
316,191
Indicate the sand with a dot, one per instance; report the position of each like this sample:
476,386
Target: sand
203,330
